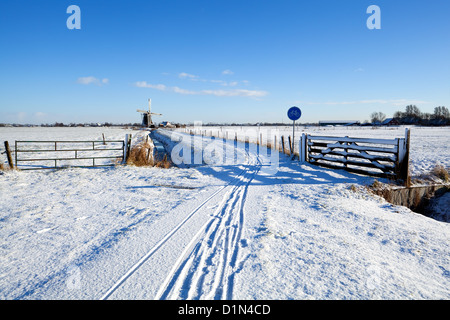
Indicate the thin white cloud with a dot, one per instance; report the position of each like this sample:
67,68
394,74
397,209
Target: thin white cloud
232,83
144,84
182,91
236,93
218,93
87,80
227,84
184,75
196,78
92,80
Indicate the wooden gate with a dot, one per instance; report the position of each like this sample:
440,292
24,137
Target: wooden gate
386,158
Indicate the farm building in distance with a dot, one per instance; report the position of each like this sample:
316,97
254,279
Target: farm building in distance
339,123
390,122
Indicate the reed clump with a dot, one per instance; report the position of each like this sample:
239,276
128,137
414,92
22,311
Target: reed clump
143,155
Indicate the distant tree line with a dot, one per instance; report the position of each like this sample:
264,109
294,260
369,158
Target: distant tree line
413,115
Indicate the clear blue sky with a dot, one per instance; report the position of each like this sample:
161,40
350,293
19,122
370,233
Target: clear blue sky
221,60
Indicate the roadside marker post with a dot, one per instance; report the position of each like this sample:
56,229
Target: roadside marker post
294,113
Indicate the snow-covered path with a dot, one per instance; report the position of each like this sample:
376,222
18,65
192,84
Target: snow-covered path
219,231
205,267
212,232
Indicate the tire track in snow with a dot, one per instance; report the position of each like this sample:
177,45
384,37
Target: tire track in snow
207,266
162,242
236,182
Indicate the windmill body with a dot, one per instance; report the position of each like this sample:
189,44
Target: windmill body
147,115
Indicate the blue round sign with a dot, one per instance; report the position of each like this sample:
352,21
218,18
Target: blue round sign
294,113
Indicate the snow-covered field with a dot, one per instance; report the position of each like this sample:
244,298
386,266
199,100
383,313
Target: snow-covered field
218,231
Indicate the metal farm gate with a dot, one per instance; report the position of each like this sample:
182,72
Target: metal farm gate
35,155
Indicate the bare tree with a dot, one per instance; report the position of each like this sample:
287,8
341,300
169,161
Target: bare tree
413,111
441,113
377,117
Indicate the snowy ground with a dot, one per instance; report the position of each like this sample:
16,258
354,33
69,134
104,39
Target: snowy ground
217,231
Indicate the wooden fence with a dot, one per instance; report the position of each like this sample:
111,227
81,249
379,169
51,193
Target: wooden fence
388,158
35,155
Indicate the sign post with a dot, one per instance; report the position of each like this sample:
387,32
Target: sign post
294,114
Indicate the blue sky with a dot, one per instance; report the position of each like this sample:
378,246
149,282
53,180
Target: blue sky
221,61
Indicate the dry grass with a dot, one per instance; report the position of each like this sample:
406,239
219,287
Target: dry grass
141,155
377,184
441,172
4,167
164,163
381,189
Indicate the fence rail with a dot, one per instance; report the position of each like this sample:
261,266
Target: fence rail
57,154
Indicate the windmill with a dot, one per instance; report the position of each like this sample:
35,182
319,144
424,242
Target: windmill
147,115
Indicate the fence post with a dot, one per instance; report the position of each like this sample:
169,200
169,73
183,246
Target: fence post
303,148
126,147
282,143
291,149
404,166
346,153
306,148
129,145
8,155
15,151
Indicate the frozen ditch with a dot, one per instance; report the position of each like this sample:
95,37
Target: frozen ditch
428,199
160,150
